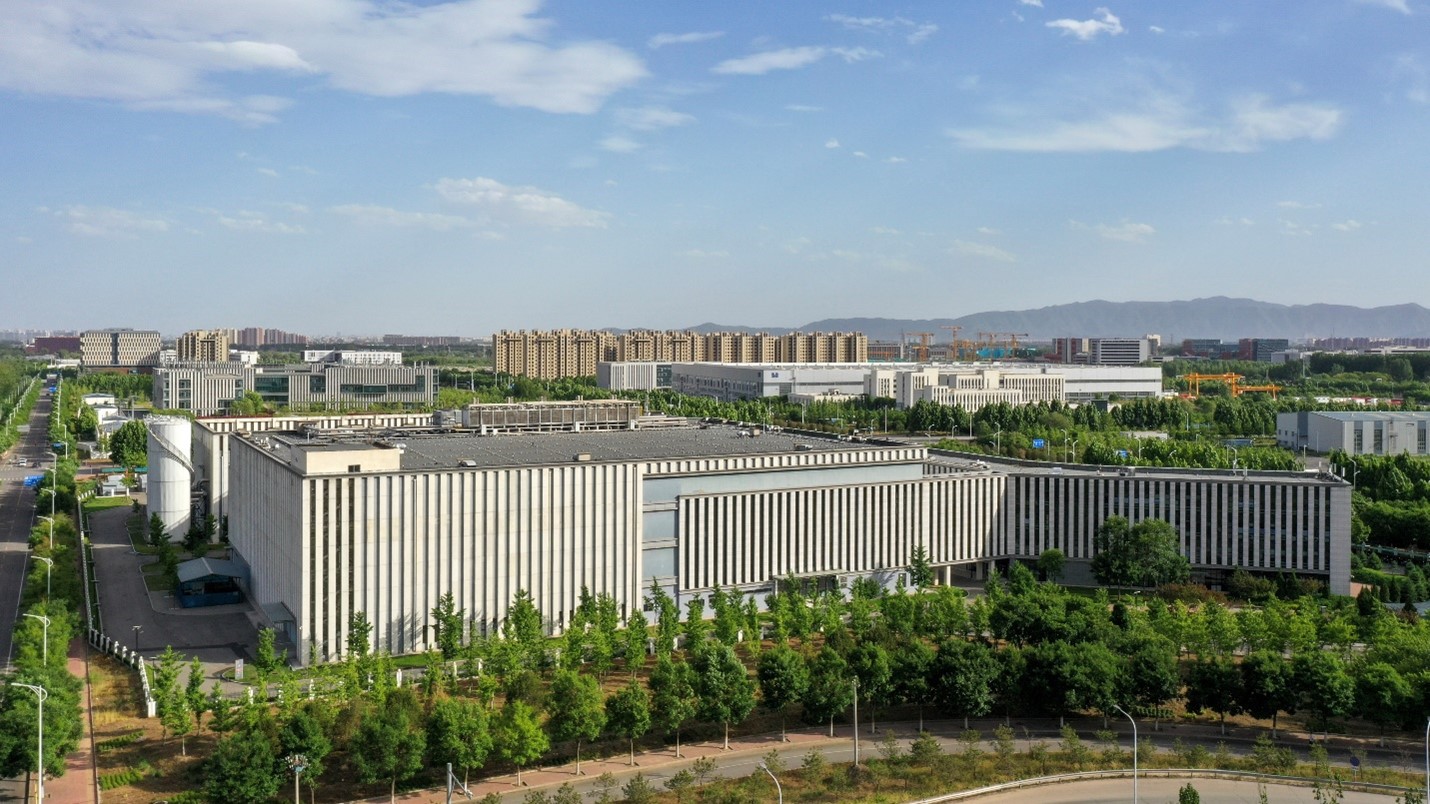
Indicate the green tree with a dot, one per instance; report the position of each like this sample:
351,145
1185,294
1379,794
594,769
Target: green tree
194,697
667,626
1151,679
359,634
672,687
1213,685
1268,686
830,690
390,744
913,663
870,664
1188,795
628,713
575,710
1381,695
303,735
129,446
1327,690
920,570
241,770
518,737
448,621
1062,679
523,627
458,732
963,674
1051,564
725,691
1145,554
264,655
783,677
636,634
695,629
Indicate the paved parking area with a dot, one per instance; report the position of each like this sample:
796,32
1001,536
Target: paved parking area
217,635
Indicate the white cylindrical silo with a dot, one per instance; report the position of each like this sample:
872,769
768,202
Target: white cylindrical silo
170,477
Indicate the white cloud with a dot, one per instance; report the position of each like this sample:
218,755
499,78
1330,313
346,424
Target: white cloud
527,205
1296,229
884,230
895,160
107,221
831,143
617,144
268,172
1125,232
800,107
1408,68
859,154
296,209
650,118
372,215
247,221
791,58
1157,122
1087,30
662,39
700,254
1037,3
853,54
1347,226
1156,29
1227,220
982,250
160,55
989,231
1394,5
1297,205
914,32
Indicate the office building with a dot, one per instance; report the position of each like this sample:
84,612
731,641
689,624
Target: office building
1358,432
207,389
1262,350
349,357
328,524
576,353
119,350
203,346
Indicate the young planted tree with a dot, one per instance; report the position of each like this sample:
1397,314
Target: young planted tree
830,689
726,692
962,676
783,677
1213,685
1268,686
920,570
303,735
667,626
575,710
523,627
1381,695
242,769
1327,690
672,688
448,621
458,732
636,633
695,629
913,660
870,664
628,714
1151,679
518,736
391,743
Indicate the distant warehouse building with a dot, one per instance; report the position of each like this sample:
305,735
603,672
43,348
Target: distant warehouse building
1358,432
208,389
385,522
970,385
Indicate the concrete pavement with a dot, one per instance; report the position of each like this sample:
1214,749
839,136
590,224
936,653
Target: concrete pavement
1212,791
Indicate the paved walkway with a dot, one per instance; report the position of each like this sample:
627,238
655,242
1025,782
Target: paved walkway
80,782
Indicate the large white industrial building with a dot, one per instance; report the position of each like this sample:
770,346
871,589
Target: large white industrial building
969,385
1358,432
333,522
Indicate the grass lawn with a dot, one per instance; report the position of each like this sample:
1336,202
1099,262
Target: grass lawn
105,503
155,579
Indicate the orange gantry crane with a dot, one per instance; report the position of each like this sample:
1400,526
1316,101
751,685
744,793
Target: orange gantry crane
1270,388
1233,384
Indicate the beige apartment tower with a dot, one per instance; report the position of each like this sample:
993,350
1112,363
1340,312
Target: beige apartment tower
204,346
551,354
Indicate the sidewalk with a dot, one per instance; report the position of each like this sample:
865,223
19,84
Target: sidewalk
80,782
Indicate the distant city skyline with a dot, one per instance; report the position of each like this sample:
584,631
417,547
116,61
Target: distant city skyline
464,167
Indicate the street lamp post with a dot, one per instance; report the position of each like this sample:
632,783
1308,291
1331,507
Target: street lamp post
856,721
779,791
1134,751
41,693
1354,474
137,629
297,763
49,565
45,648
1427,758
50,520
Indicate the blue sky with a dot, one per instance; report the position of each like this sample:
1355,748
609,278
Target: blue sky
365,167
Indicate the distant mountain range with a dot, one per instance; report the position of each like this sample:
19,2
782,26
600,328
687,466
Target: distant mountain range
1218,317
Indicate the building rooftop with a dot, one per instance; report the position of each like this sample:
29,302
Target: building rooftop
432,449
1374,415
1010,466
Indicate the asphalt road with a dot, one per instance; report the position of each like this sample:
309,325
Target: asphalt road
17,516
1156,791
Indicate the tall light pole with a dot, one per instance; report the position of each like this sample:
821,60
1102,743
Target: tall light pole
1134,751
1427,758
137,629
50,520
779,791
49,565
1355,474
856,721
45,649
41,693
